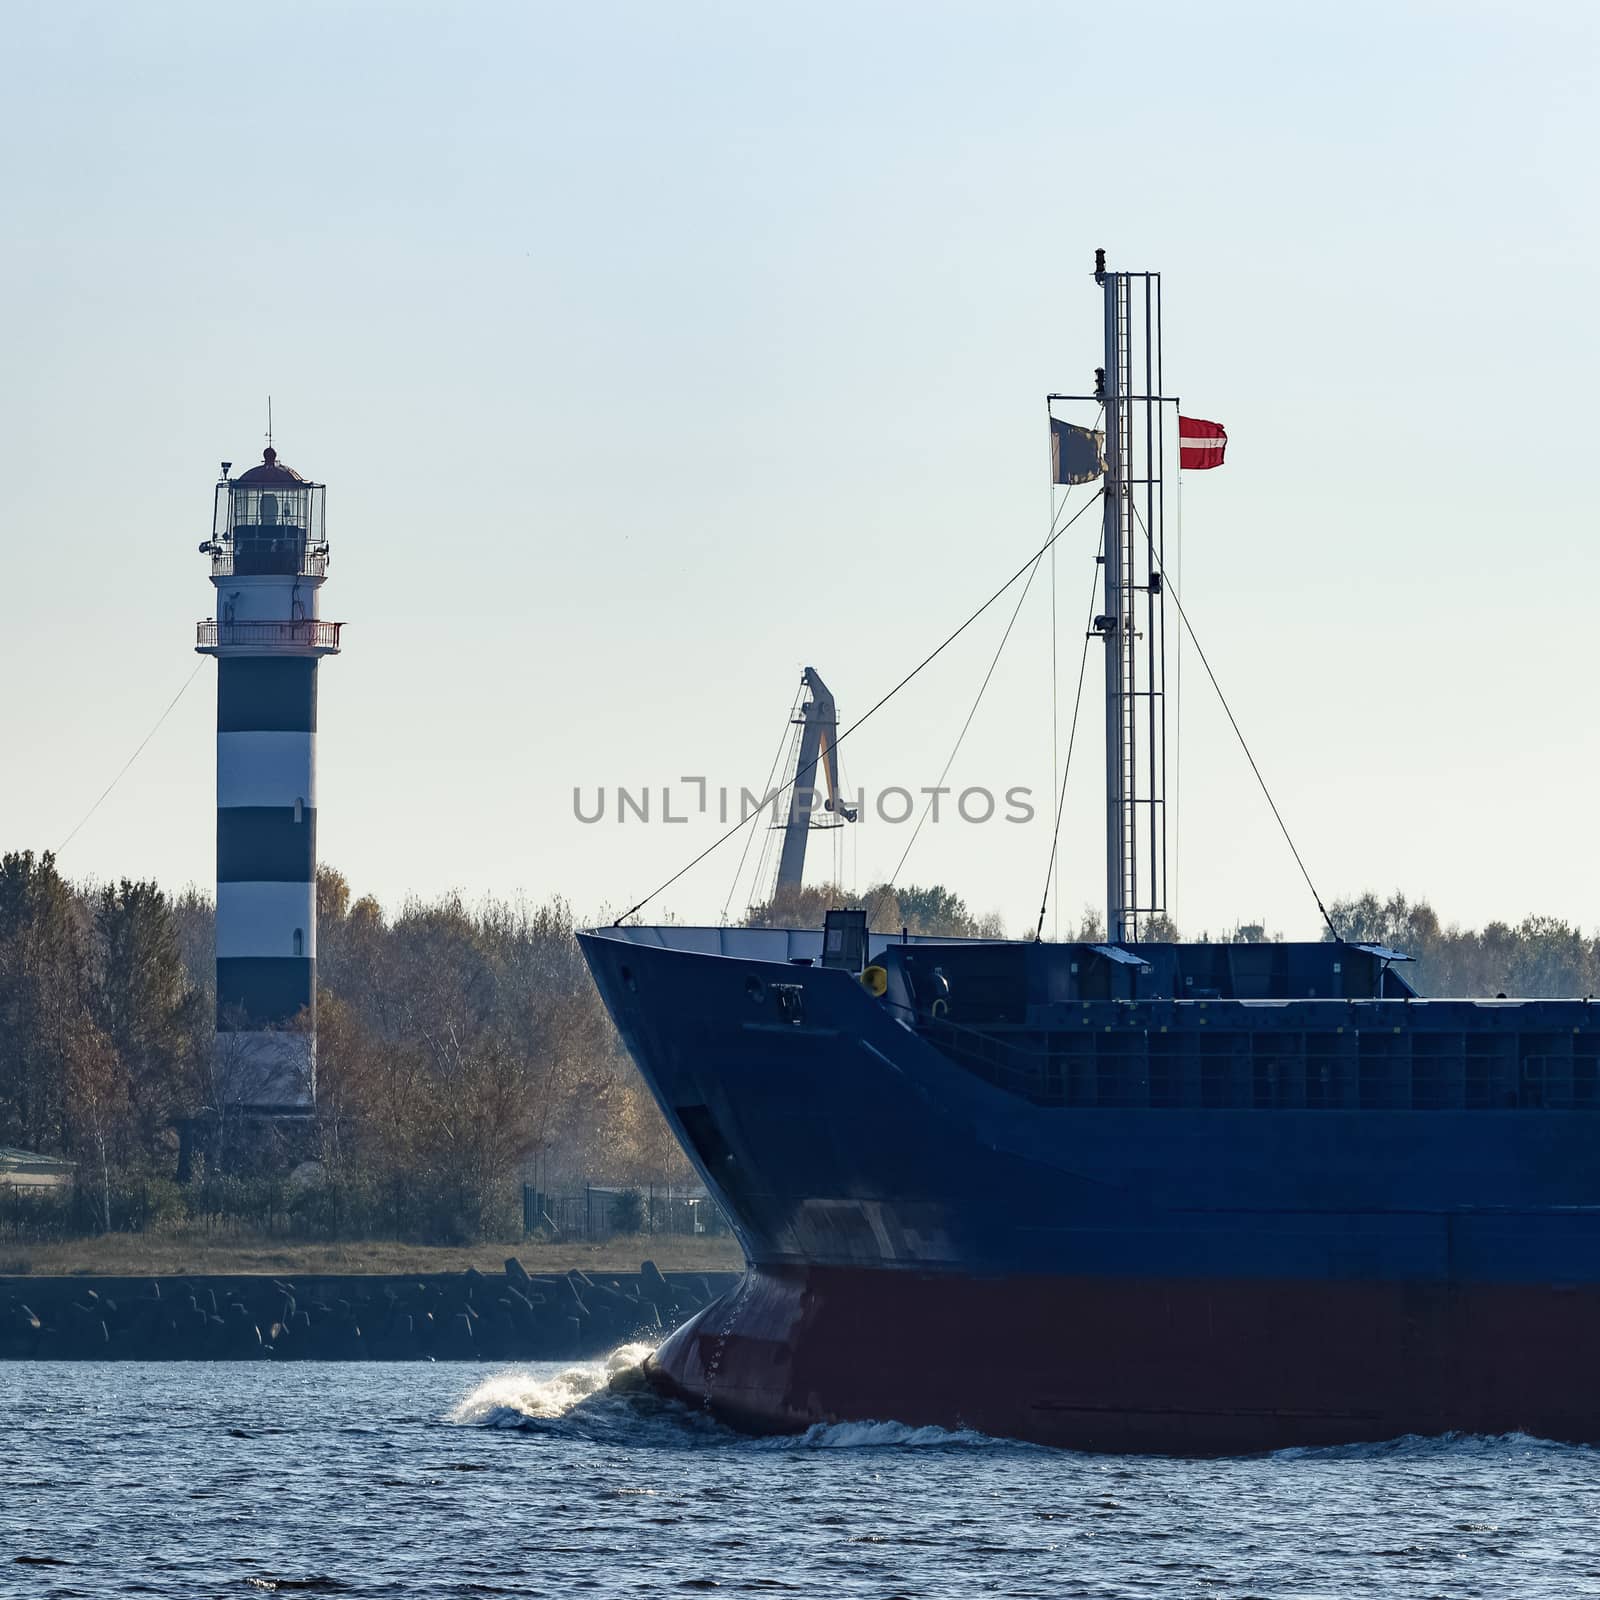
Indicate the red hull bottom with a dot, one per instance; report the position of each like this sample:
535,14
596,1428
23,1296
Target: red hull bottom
1202,1367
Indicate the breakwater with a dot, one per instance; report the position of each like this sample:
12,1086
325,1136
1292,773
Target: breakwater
453,1316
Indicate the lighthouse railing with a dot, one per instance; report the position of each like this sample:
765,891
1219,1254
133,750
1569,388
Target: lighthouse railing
294,637
284,562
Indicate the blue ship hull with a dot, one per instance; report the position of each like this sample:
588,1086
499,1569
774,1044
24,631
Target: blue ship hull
1178,1224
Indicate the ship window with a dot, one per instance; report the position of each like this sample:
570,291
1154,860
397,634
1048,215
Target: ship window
299,941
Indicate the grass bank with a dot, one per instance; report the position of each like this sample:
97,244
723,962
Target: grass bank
184,1253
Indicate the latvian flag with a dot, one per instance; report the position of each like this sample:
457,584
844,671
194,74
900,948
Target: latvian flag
1200,444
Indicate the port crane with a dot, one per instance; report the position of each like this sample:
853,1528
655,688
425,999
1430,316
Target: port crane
816,721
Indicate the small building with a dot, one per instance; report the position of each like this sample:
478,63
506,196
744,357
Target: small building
30,1172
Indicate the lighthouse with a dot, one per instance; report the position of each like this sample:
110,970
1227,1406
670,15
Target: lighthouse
269,559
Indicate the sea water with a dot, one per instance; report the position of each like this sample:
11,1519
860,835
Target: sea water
562,1479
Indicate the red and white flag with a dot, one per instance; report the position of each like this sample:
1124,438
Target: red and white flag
1200,444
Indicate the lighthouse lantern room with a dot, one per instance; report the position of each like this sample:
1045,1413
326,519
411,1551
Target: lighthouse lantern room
269,559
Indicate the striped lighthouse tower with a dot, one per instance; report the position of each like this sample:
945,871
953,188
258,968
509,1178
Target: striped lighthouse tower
269,558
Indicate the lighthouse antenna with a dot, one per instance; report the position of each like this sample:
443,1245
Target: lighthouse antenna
269,421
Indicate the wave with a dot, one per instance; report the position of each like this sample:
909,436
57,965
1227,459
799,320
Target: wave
882,1436
1421,1447
607,1399
516,1398
1407,1447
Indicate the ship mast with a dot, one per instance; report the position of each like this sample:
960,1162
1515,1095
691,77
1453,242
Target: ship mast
1132,624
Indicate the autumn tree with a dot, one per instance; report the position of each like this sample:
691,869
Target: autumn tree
803,906
931,910
144,1004
43,999
98,1111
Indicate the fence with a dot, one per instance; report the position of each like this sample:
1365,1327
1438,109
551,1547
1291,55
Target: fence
37,1216
241,1208
603,1211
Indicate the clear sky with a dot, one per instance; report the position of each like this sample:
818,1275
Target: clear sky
652,352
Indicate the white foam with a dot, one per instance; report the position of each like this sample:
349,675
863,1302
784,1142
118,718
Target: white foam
608,1398
875,1436
512,1398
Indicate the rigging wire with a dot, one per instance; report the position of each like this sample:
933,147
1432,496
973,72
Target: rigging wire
1238,734
1057,777
1055,634
1072,738
769,859
131,759
841,834
1055,717
1175,881
894,877
855,863
927,660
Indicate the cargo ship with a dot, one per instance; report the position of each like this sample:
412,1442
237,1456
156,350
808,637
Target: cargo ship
1126,1194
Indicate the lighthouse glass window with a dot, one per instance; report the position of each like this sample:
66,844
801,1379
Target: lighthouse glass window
260,510
276,529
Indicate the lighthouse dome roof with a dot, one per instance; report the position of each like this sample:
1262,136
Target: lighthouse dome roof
271,474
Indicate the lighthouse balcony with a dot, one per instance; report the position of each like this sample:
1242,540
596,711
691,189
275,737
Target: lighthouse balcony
275,558
312,637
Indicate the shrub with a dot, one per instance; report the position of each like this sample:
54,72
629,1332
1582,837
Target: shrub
627,1212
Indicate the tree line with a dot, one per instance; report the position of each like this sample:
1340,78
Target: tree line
460,1049
931,909
1539,957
